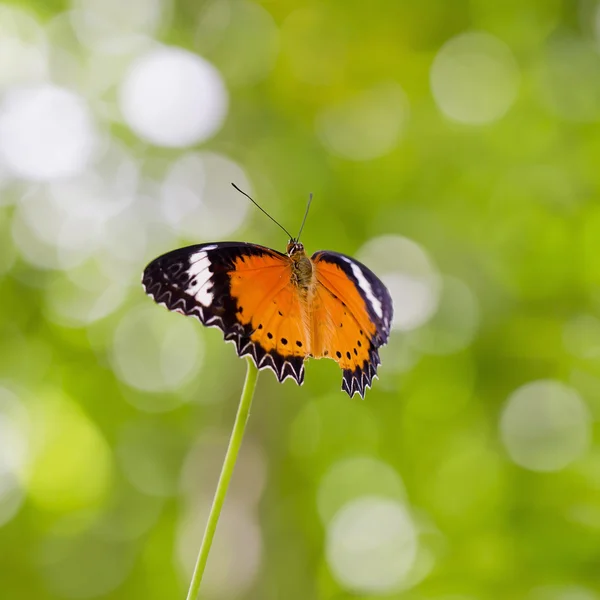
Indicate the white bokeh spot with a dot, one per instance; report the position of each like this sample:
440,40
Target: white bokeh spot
155,351
23,48
545,426
172,97
113,26
198,199
409,275
46,132
474,78
372,545
355,477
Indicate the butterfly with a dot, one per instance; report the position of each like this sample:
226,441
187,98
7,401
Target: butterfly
280,309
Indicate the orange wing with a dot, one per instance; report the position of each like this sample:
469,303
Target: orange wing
351,316
276,321
243,289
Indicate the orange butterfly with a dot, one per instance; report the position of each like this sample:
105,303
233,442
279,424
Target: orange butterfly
280,309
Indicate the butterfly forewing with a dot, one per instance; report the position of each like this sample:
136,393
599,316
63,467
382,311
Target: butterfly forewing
241,289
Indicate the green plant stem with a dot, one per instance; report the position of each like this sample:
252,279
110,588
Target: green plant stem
235,442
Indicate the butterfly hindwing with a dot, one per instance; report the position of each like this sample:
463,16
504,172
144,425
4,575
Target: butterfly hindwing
353,313
269,306
243,289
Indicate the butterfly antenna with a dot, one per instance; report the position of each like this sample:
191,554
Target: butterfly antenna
262,209
310,197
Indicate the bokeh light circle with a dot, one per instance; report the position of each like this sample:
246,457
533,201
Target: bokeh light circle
355,477
156,351
46,132
474,78
23,48
115,27
198,199
410,276
81,299
172,97
371,545
545,426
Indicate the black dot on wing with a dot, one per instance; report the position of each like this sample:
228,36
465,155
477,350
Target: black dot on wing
361,332
193,282
260,325
338,354
270,335
326,353
280,313
283,341
240,309
358,343
299,343
348,355
355,352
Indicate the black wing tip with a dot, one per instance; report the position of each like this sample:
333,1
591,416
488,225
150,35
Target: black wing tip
360,379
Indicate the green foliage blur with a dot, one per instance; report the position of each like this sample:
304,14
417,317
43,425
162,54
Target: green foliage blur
454,147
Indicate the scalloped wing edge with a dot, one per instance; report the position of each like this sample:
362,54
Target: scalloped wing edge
283,367
357,381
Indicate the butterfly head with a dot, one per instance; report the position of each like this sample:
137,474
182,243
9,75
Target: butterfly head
294,247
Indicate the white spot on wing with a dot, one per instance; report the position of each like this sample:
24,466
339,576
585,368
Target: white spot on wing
365,286
200,275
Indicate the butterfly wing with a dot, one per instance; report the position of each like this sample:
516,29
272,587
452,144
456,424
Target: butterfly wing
352,313
243,289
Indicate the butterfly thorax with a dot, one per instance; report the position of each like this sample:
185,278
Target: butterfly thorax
302,268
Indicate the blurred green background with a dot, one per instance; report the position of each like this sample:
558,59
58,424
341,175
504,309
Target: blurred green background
453,146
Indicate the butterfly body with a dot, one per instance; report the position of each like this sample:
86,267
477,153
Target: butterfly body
302,270
280,309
